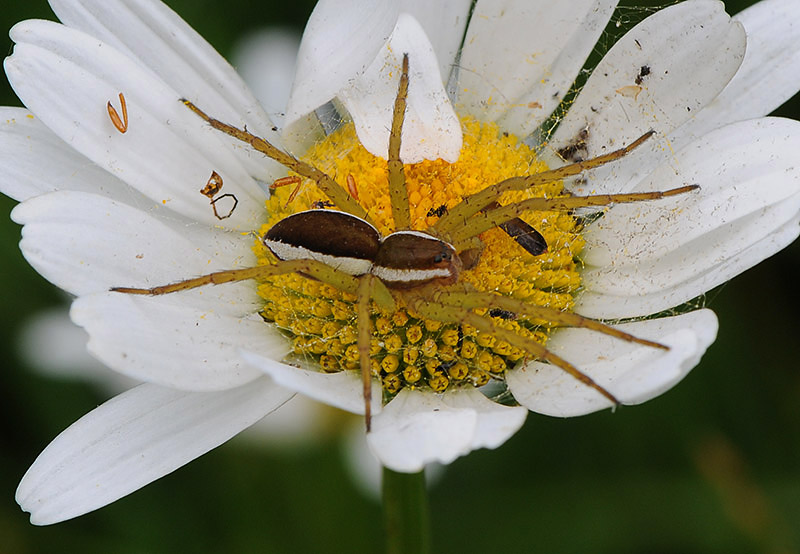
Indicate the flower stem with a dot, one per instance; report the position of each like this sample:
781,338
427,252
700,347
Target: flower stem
405,513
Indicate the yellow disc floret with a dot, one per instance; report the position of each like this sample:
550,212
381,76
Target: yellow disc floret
407,350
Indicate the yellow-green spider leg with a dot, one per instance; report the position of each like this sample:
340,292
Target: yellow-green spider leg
459,315
475,299
311,268
336,193
483,221
369,287
469,206
398,193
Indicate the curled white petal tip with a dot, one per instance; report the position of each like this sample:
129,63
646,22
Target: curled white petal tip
771,57
337,44
431,128
634,373
417,428
368,89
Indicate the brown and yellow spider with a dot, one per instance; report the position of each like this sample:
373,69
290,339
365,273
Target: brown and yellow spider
419,270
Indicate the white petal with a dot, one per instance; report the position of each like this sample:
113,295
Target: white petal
691,50
342,390
431,128
134,439
496,423
66,78
266,60
86,243
157,38
608,305
741,169
339,42
172,343
365,469
632,372
769,75
680,247
36,161
444,22
521,57
417,428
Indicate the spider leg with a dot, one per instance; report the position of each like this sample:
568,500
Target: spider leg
469,206
483,221
471,300
330,187
311,268
363,324
460,315
398,193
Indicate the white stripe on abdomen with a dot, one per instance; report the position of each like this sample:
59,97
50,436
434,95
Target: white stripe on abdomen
351,266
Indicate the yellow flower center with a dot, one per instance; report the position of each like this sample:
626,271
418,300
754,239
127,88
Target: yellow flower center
407,350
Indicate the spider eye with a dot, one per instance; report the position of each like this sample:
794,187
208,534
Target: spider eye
441,256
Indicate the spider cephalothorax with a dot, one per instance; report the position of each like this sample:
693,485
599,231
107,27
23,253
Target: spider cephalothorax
406,272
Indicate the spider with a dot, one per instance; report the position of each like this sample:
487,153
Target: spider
421,269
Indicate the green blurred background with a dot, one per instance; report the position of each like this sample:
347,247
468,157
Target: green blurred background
712,466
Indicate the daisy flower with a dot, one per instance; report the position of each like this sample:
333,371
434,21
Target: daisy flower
108,164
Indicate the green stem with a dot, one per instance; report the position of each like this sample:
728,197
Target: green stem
405,513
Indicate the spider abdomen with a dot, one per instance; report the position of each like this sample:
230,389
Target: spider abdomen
337,239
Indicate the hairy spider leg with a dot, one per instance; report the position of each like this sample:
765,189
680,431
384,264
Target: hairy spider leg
469,206
483,221
472,299
521,232
311,268
398,193
461,316
363,323
401,215
325,183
